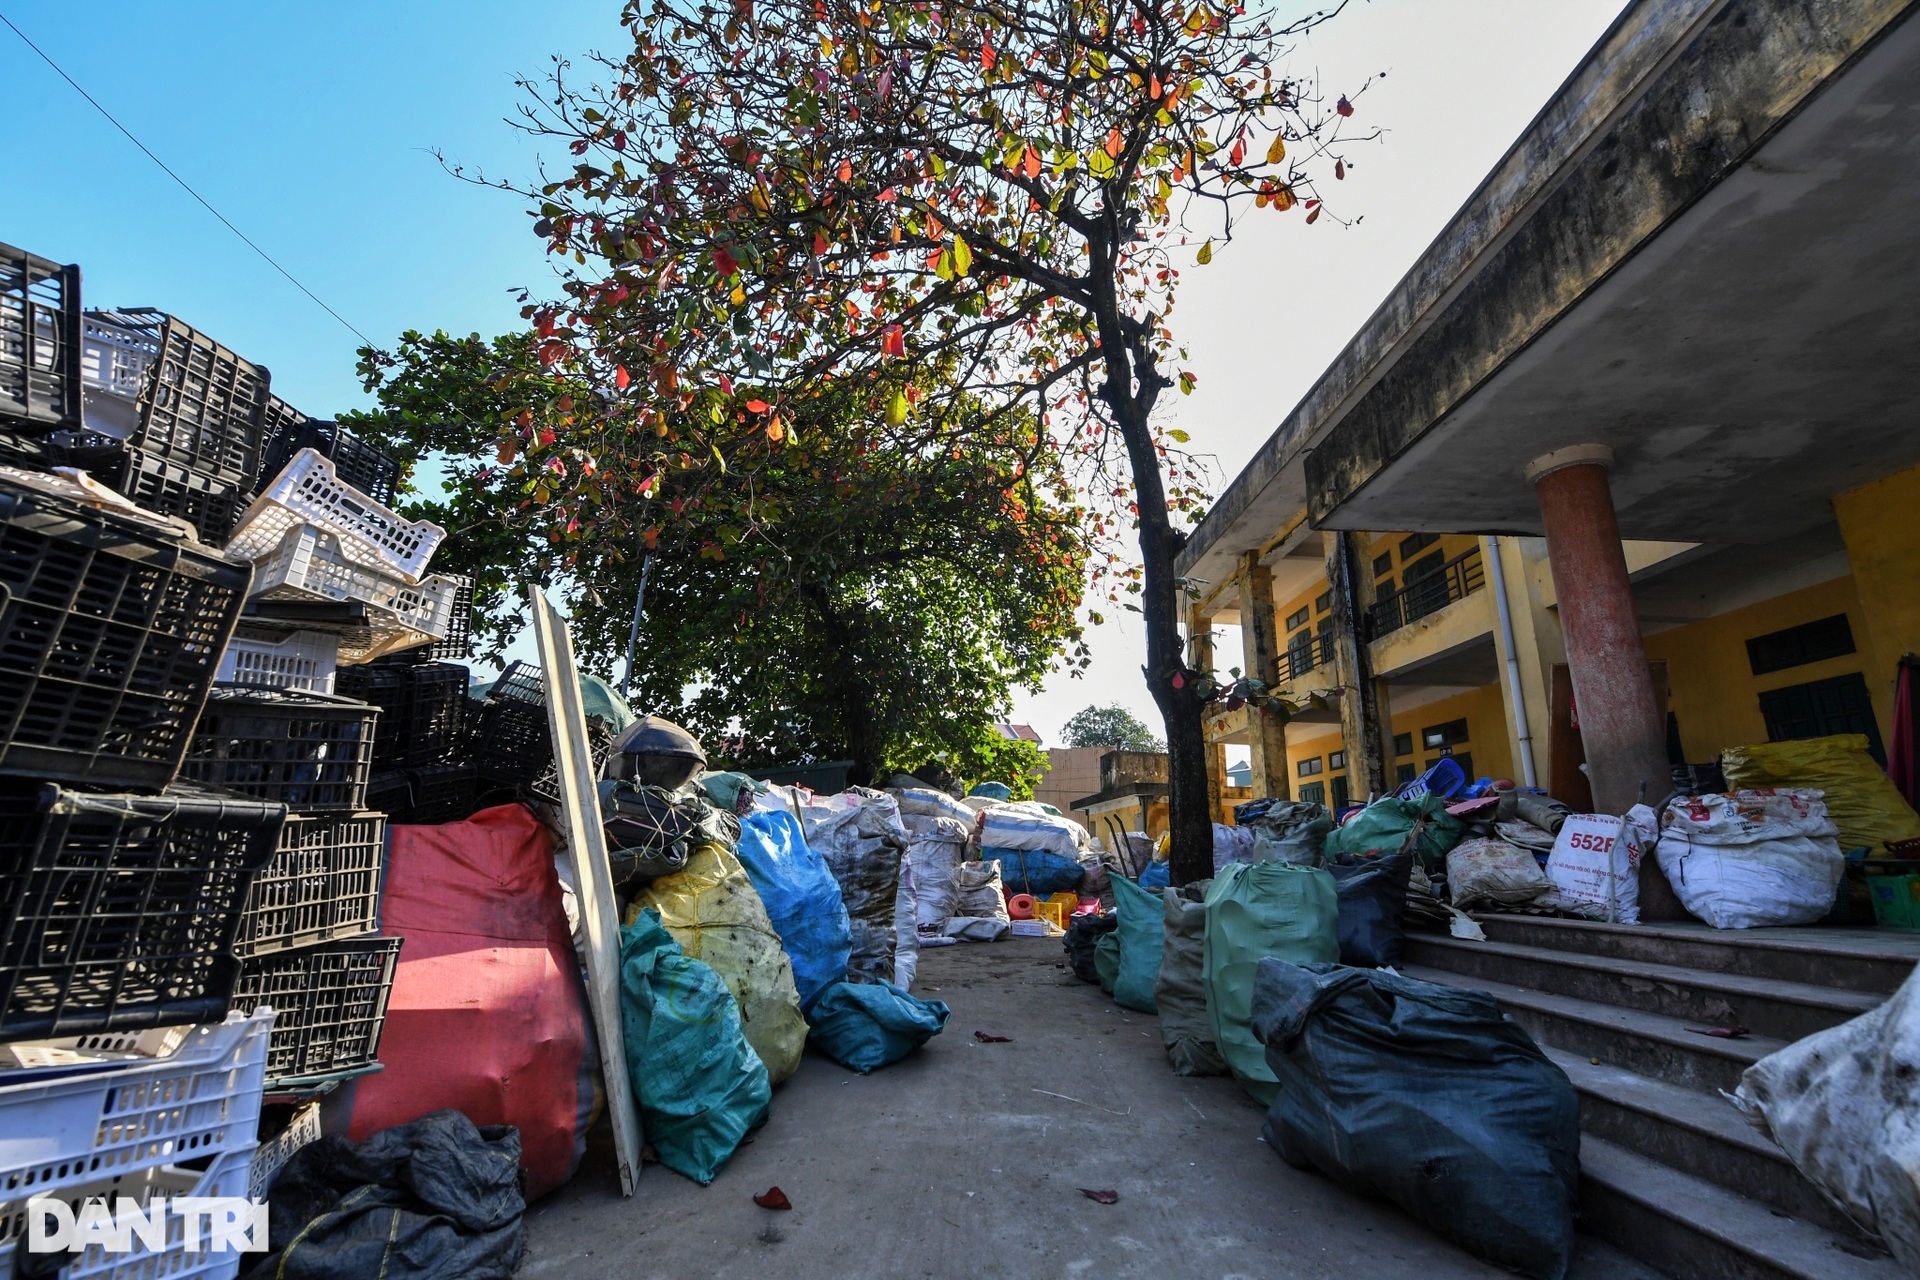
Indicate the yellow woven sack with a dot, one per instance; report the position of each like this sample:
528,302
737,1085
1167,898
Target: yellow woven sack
711,909
1861,800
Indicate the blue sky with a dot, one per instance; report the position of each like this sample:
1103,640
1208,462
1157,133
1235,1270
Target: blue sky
310,127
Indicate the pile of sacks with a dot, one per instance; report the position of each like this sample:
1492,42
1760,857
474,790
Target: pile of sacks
1277,971
746,937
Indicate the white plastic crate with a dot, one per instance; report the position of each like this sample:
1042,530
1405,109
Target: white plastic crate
309,565
303,660
123,1130
116,350
309,492
273,1154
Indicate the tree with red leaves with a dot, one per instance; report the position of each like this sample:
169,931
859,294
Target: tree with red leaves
799,197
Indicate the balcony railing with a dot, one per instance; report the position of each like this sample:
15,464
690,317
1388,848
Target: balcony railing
1457,579
1298,659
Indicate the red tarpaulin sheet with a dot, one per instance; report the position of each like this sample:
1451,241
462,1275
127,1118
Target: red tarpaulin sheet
488,1014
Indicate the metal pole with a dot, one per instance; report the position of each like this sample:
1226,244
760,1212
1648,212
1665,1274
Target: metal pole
633,637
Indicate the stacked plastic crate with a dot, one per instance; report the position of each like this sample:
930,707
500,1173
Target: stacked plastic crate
340,591
122,889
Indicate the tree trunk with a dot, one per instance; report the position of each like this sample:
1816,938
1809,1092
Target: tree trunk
852,694
1133,385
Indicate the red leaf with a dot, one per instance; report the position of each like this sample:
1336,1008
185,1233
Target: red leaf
1344,107
987,57
578,146
723,262
846,171
1101,1197
819,245
726,385
773,1198
758,406
987,1038
1179,680
1115,143
1031,163
893,342
545,437
621,377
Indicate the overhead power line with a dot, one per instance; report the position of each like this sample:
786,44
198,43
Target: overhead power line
184,186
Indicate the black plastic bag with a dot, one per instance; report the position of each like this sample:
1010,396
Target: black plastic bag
1427,1096
1373,901
1083,934
436,1199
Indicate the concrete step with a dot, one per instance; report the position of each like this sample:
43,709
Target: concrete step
1647,1044
1869,960
1767,1006
1697,1133
1692,1229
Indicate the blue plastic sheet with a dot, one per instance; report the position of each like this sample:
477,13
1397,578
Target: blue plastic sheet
1158,875
867,1025
1033,871
802,900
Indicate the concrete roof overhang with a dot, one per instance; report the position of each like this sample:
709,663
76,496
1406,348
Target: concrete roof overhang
1704,253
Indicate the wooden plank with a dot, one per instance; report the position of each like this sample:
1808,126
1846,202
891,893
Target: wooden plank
592,875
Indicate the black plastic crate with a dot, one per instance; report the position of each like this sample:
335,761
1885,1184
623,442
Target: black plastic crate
110,633
457,644
329,1004
280,419
120,911
203,406
510,742
309,751
599,747
321,885
213,506
31,453
39,343
422,708
520,682
354,460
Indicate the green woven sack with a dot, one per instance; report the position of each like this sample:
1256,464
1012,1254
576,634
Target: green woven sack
700,1085
1256,910
1141,932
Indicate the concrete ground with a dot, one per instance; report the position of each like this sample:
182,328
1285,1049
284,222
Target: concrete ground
965,1160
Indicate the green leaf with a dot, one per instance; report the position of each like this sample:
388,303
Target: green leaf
1176,434
1206,254
962,257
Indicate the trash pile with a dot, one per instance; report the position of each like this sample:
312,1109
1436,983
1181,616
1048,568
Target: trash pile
1280,971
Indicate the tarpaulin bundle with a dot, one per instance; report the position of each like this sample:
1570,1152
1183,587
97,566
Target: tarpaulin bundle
651,831
700,1085
867,1025
712,911
801,897
433,1199
487,1014
1035,871
1429,1096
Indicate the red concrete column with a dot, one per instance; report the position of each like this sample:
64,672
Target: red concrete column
1620,722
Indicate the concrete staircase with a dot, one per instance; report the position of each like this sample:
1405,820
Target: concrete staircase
1670,1173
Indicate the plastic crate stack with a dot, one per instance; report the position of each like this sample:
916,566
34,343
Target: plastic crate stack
325,691
511,742
122,888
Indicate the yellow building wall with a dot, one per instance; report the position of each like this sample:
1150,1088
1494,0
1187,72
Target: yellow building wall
1714,692
1880,523
1486,715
